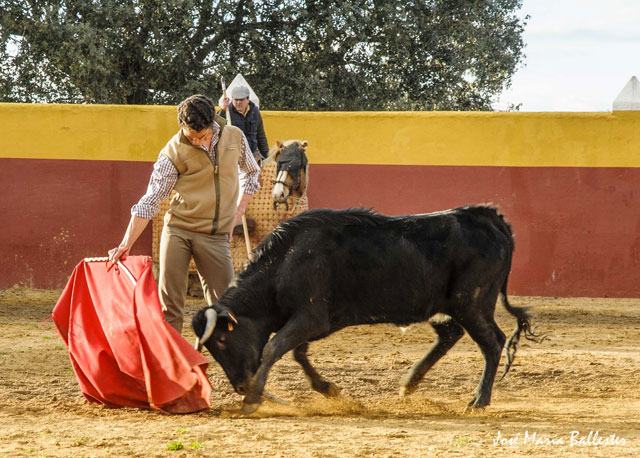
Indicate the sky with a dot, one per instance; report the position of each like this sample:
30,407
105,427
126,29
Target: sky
579,55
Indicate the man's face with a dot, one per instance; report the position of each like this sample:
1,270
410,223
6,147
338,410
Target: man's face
241,104
198,137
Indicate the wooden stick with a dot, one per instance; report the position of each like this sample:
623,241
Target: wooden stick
244,218
224,94
246,237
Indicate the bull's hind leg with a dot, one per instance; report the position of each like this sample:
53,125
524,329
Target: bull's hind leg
318,383
449,332
490,338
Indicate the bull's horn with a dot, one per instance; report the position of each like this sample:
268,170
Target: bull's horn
212,317
272,397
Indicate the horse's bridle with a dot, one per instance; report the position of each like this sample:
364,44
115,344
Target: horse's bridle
292,185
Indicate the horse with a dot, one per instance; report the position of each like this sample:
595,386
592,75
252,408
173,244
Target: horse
292,177
284,179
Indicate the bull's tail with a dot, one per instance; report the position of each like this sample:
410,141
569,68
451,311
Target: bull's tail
524,324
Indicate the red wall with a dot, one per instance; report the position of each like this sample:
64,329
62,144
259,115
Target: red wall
56,212
570,224
577,229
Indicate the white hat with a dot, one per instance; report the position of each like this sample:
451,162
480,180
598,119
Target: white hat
240,92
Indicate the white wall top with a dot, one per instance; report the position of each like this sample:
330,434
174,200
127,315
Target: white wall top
629,97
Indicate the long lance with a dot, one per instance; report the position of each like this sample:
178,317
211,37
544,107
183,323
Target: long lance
224,94
245,228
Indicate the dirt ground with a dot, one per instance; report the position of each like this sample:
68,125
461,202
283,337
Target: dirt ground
576,394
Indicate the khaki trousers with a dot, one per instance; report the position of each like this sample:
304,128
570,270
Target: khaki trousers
213,261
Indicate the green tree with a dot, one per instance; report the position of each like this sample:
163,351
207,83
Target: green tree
297,54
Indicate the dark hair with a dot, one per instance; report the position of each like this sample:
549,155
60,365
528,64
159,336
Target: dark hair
196,112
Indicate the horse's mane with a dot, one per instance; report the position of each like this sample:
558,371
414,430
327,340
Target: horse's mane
275,148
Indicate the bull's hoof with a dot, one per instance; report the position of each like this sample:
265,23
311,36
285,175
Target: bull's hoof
333,391
251,402
409,383
250,408
328,389
472,409
407,389
476,403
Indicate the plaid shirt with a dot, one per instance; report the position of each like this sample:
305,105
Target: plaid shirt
165,175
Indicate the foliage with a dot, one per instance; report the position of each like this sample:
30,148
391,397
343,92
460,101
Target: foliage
175,445
179,444
296,54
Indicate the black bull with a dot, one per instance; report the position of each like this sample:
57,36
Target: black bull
324,270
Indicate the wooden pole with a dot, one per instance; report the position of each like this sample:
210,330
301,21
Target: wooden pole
245,228
246,237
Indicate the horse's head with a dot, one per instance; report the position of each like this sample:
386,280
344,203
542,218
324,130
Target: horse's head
292,176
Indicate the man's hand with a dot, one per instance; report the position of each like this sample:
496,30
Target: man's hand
224,102
135,228
115,254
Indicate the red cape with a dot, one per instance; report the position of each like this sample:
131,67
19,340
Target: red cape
121,349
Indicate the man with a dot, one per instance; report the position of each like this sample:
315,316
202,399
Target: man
246,115
201,163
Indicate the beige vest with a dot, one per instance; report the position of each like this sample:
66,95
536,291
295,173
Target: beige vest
206,197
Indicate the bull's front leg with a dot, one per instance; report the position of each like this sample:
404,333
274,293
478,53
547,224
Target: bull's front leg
318,383
295,332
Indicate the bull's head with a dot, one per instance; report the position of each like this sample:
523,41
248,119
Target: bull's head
292,175
233,343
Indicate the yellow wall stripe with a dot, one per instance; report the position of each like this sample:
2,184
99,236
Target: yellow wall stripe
94,132
137,133
465,138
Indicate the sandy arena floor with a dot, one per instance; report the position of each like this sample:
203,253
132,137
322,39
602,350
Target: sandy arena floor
576,394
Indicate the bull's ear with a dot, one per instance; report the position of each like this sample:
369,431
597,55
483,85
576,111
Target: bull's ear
304,144
227,316
279,143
